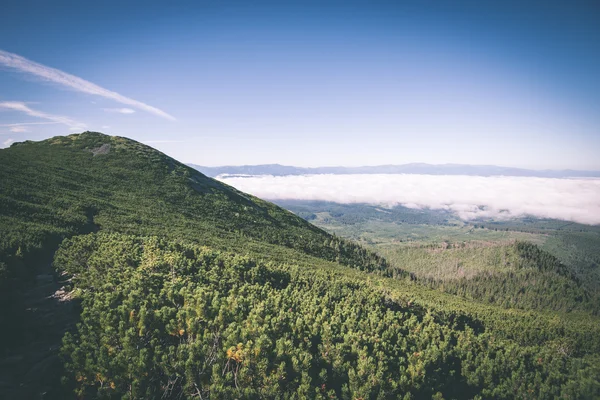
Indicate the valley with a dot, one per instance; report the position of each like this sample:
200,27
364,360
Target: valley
438,247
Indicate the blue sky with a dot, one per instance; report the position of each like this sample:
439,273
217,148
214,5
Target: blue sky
311,83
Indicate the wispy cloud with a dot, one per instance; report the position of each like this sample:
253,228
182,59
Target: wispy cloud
7,142
469,197
18,129
24,65
119,110
59,119
30,123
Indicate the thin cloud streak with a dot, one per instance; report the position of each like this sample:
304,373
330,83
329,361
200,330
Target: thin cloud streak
50,74
59,119
18,129
468,197
7,142
29,123
120,110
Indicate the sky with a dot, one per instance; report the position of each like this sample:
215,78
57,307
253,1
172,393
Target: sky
311,83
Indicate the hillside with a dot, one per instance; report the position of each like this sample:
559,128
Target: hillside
90,182
513,274
84,183
187,288
522,263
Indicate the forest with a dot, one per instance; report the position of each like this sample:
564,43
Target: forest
184,287
524,263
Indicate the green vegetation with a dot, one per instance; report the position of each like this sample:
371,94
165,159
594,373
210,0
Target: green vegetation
492,261
60,187
65,186
517,274
189,288
164,319
373,225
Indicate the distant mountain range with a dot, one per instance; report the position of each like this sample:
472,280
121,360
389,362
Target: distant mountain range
414,168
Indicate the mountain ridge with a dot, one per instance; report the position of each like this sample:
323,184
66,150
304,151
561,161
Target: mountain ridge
214,206
411,168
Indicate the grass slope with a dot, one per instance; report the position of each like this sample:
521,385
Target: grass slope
88,182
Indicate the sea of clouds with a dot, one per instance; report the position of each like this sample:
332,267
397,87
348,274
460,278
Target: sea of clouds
469,197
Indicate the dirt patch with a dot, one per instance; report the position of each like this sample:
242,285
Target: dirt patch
104,149
62,295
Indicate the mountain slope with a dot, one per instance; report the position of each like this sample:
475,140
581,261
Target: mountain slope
188,288
90,182
83,183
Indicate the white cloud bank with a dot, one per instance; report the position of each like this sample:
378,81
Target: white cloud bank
24,65
469,197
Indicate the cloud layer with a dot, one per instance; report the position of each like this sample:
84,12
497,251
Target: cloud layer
469,197
24,65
